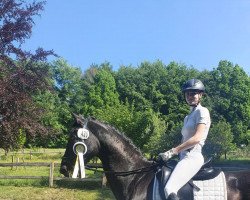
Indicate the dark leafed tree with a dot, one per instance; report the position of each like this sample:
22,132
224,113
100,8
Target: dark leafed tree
22,73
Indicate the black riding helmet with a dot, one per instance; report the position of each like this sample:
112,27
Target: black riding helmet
193,84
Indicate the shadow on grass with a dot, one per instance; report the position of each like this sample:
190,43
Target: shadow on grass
90,185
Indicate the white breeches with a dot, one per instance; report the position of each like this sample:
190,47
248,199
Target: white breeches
185,169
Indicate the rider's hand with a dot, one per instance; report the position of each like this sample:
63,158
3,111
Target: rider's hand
167,155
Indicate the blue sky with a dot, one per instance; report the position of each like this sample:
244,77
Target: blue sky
196,33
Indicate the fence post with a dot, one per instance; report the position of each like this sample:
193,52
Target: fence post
17,161
12,160
51,174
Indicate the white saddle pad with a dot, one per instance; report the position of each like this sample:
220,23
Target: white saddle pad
213,189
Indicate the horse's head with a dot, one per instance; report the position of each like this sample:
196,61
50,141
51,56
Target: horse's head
91,143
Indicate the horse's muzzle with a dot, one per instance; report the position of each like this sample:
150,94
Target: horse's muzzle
64,170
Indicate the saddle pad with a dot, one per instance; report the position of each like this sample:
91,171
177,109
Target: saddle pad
212,189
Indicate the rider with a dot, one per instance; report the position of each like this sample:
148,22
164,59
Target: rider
194,133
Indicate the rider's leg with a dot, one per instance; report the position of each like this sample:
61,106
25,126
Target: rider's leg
173,196
186,168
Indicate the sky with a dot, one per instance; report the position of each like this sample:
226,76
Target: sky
196,33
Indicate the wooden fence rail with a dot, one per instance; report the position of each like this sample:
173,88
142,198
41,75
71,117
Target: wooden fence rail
51,177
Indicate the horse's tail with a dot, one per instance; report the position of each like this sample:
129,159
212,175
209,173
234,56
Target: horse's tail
240,180
245,185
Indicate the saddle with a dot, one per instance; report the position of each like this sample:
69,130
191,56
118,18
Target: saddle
205,173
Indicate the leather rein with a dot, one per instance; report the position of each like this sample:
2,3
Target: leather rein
127,173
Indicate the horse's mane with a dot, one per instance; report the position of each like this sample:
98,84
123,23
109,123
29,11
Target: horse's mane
121,134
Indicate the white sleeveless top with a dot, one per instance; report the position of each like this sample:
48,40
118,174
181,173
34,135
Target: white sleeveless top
198,115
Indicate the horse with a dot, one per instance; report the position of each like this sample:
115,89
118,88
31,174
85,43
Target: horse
130,175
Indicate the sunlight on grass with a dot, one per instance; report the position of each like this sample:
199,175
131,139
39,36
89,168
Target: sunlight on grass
27,193
20,189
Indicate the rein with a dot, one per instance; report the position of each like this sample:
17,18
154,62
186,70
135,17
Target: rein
127,173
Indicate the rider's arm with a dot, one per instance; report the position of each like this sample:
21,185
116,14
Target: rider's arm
191,141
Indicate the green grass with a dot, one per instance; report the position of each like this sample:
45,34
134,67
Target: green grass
39,193
239,156
17,189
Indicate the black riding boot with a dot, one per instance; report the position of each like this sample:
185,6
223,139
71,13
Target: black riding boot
173,196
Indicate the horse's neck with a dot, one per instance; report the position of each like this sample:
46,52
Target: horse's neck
118,154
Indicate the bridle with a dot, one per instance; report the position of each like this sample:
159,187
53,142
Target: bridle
80,149
83,134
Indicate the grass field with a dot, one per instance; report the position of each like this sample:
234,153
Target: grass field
19,189
58,193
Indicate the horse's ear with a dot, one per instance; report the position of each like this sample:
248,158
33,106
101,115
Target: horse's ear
79,118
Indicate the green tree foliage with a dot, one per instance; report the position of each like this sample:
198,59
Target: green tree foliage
101,92
170,139
21,140
220,140
157,128
59,104
229,87
68,85
54,119
142,85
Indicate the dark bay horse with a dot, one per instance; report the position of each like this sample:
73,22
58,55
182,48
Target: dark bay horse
128,172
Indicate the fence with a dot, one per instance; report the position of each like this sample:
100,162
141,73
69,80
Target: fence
30,153
51,173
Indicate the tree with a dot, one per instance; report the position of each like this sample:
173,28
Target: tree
59,104
16,25
56,118
68,85
22,73
219,140
230,90
142,85
157,127
101,92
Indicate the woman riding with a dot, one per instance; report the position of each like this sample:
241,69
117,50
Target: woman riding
194,133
